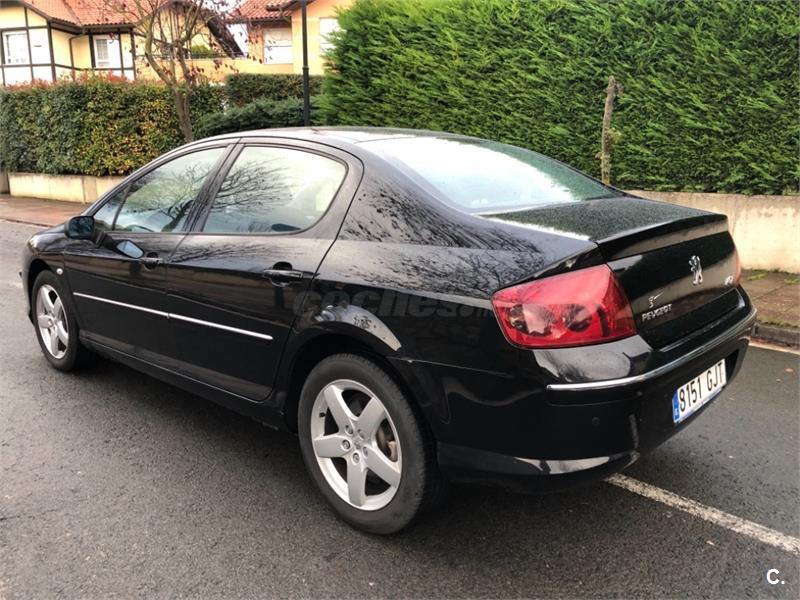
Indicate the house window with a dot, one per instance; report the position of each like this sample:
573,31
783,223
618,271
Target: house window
278,46
15,46
327,27
40,47
106,52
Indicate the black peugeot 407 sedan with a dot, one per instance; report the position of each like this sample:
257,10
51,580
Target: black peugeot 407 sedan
418,307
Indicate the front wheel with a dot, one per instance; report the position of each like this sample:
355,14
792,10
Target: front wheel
55,324
364,446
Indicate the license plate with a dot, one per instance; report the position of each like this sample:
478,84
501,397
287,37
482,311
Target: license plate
691,396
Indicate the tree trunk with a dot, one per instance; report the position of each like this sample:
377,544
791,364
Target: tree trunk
182,97
606,137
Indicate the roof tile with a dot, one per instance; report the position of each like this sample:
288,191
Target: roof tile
84,13
261,10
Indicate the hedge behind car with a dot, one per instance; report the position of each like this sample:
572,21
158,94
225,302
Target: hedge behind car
710,87
94,127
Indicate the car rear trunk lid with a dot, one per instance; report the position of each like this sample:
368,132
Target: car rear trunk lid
677,265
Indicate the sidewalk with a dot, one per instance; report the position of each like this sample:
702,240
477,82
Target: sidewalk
777,298
775,295
46,213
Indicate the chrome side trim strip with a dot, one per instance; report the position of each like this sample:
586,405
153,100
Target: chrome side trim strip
124,305
254,334
166,315
611,383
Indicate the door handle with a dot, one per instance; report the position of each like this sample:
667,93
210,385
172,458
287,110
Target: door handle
282,273
151,261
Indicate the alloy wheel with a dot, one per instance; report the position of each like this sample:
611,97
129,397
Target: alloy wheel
52,321
356,444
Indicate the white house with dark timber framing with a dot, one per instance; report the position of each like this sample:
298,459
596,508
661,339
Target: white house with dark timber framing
50,39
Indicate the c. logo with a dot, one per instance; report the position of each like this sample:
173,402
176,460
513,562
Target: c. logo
773,580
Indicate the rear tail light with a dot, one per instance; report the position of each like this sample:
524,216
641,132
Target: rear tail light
572,309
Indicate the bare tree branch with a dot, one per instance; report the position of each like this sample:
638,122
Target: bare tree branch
168,28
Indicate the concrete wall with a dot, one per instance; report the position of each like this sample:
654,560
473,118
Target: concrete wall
72,188
766,229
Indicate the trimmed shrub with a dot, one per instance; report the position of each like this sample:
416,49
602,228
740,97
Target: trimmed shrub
202,51
244,88
94,127
710,87
261,114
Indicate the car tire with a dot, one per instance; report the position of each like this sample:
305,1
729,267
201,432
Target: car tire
342,448
54,321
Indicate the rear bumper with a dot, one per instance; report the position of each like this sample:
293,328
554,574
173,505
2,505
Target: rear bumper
590,429
469,465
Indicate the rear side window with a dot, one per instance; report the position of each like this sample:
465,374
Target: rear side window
161,199
274,190
480,176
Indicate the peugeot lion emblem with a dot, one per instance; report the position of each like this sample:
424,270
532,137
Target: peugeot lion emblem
697,270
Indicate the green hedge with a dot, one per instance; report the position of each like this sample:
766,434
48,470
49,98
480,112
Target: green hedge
96,127
104,126
261,114
244,88
710,98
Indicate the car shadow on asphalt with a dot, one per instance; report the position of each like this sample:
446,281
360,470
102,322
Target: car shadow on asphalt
192,472
271,453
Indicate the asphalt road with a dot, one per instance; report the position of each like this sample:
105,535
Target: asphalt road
112,483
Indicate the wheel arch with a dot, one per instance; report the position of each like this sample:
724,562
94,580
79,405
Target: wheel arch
316,349
34,269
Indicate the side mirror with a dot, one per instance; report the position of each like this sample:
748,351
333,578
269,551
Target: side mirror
81,227
129,249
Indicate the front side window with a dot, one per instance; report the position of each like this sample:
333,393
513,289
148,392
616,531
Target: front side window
106,52
15,48
274,190
278,46
327,27
104,216
160,200
481,176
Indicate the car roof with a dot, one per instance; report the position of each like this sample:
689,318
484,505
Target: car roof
343,137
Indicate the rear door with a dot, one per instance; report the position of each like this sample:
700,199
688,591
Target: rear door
118,283
236,282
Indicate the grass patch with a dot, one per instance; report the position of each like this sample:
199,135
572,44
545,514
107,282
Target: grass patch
792,280
778,323
757,276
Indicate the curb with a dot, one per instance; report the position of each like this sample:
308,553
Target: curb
20,221
774,334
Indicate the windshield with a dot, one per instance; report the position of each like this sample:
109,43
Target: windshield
480,176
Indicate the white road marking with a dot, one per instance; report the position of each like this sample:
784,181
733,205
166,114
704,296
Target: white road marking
776,348
762,534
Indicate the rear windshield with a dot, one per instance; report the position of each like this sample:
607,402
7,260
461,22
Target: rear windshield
480,176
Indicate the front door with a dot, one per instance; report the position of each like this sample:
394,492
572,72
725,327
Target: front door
236,282
118,282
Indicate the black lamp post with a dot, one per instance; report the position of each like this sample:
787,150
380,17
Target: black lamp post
306,98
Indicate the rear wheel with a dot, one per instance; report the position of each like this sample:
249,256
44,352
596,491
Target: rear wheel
54,321
364,446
